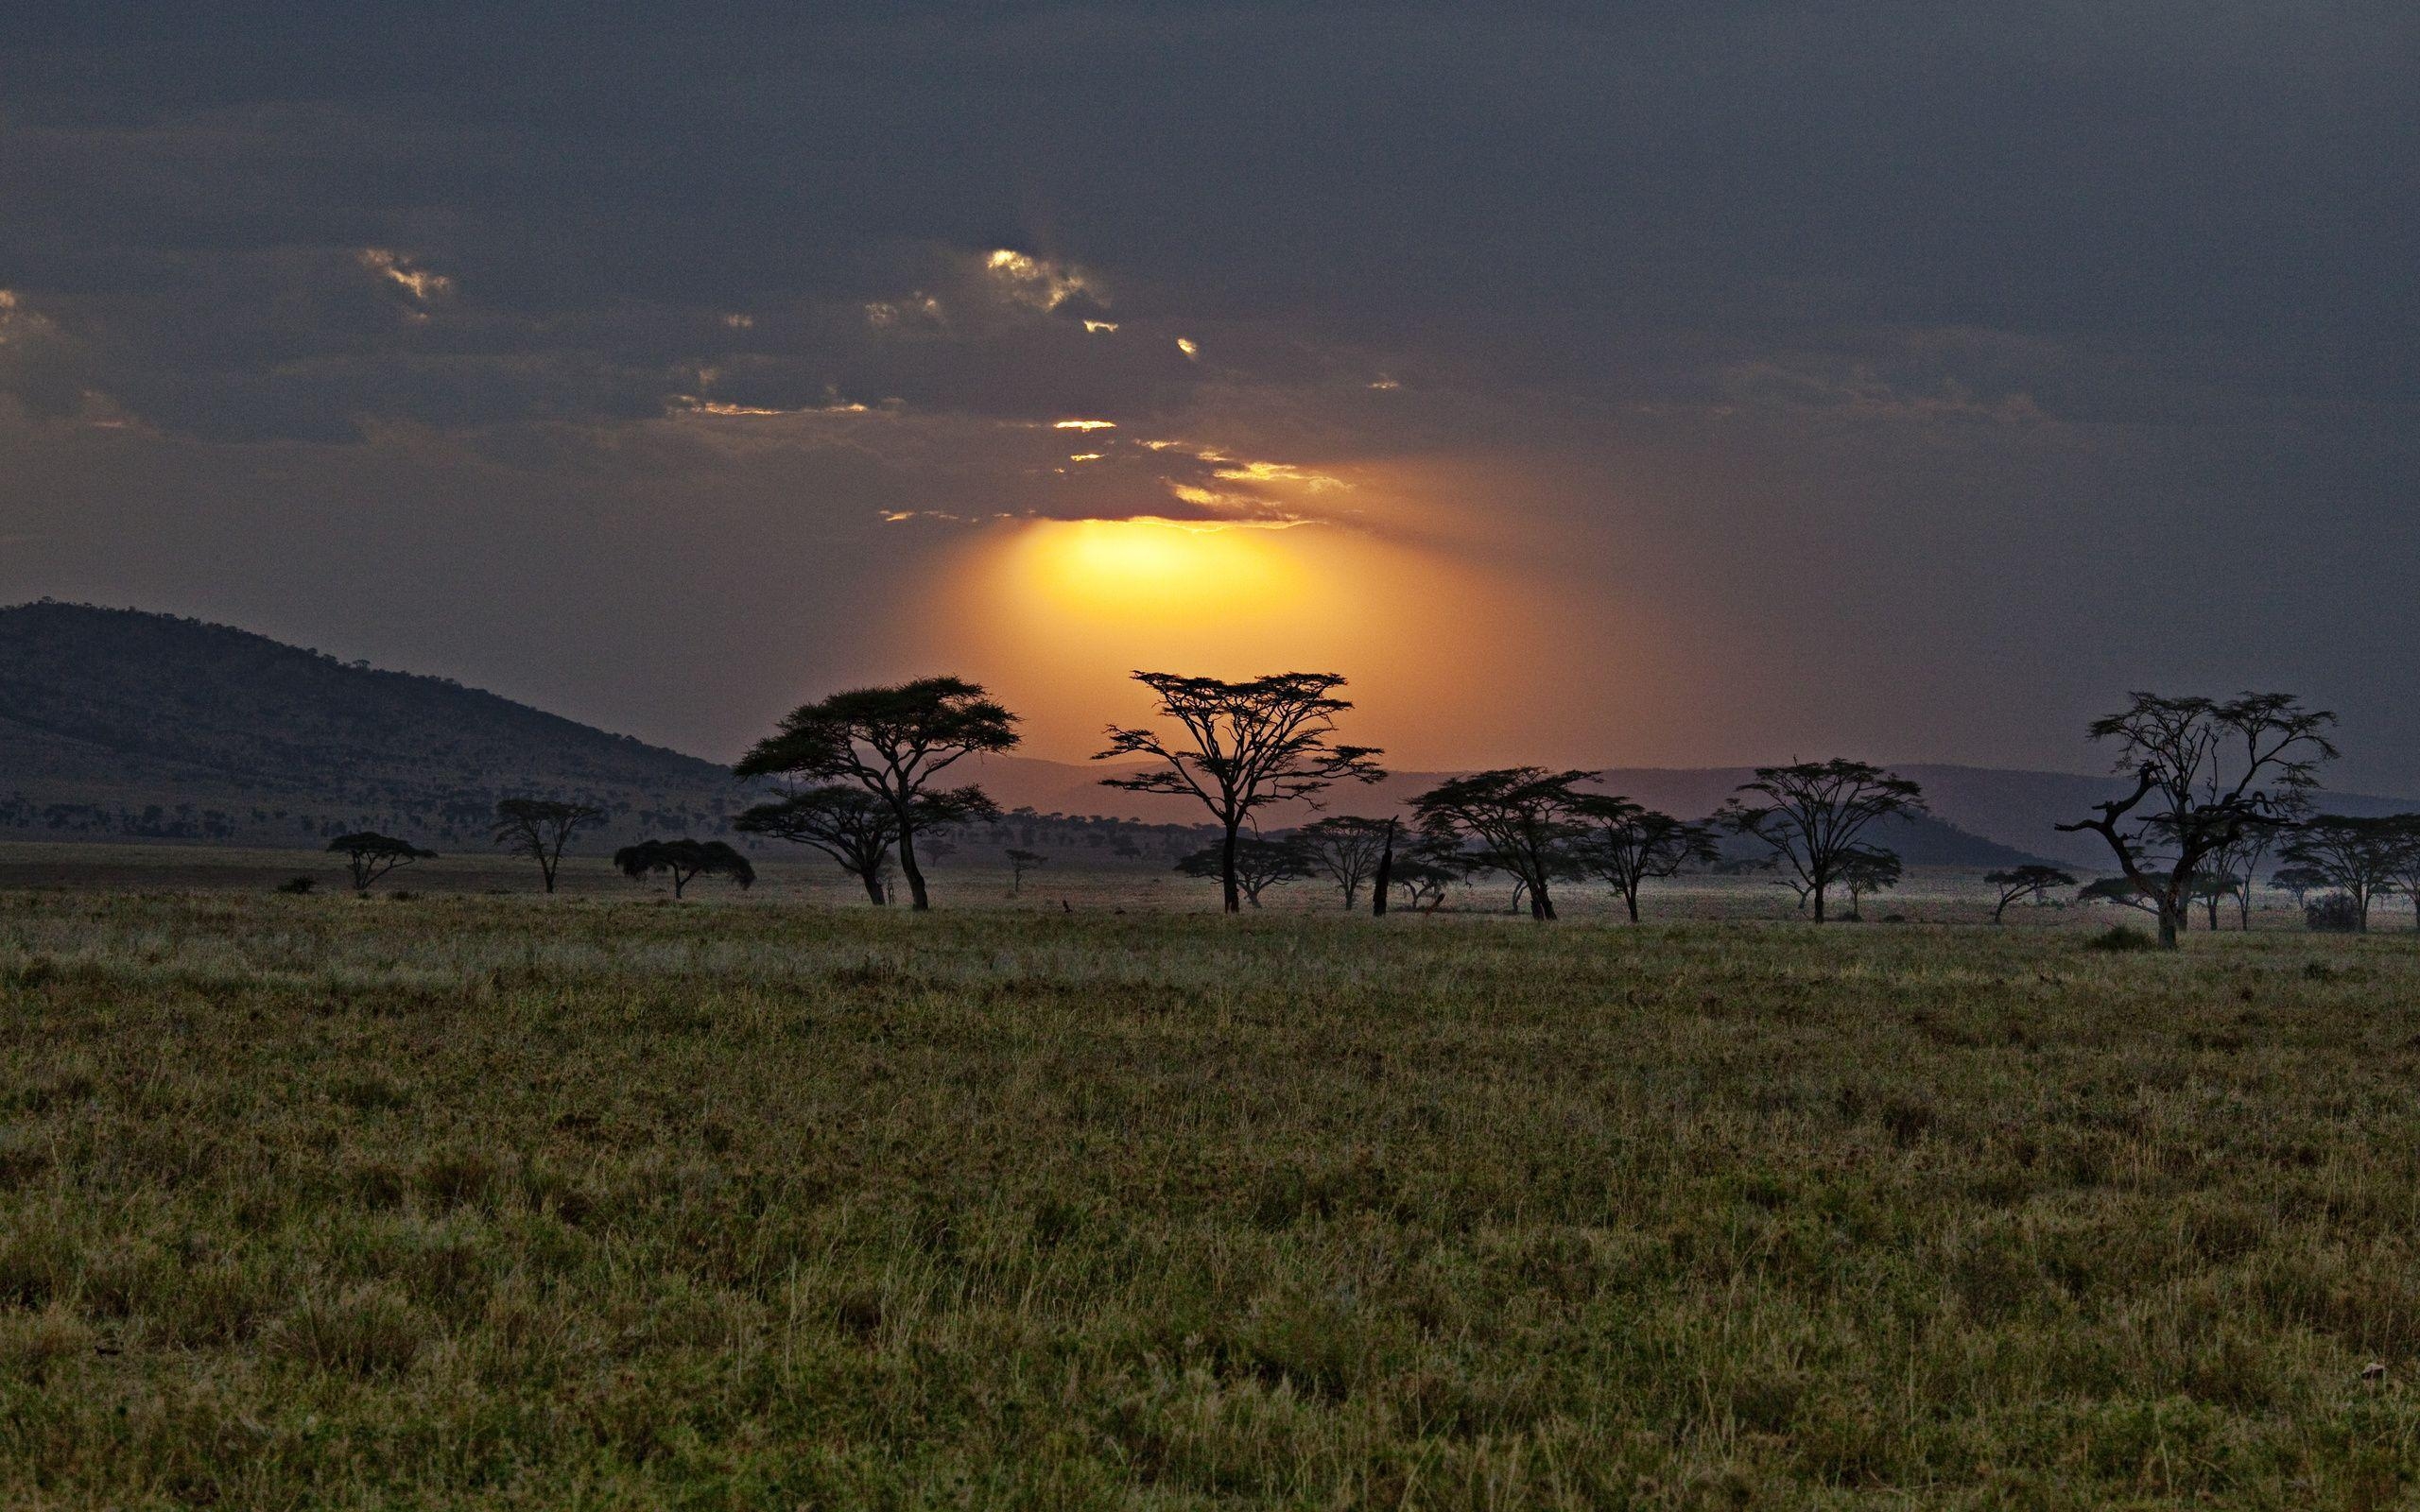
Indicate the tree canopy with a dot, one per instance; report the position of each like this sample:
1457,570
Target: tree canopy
683,861
1253,864
539,828
1628,843
2032,880
368,855
894,742
857,829
1239,746
1520,820
1813,816
2358,857
2207,772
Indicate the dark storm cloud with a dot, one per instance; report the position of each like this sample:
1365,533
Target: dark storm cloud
2207,203
2042,314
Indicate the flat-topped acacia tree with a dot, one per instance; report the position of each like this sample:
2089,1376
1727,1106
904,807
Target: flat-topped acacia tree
684,861
539,828
1520,820
894,742
1628,843
1813,816
368,855
1240,747
849,824
2207,772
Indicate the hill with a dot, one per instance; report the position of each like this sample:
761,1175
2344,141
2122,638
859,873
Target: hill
119,723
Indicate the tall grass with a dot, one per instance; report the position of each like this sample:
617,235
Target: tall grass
497,1202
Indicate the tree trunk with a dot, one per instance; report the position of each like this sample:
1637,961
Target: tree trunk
1231,891
1818,896
1386,875
1541,902
918,901
1630,898
680,884
873,887
2171,923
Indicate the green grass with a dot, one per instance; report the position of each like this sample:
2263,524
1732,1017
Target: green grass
488,1201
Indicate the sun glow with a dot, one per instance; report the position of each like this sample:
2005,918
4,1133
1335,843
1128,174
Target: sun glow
1157,571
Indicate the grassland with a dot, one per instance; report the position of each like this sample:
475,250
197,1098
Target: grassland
471,1200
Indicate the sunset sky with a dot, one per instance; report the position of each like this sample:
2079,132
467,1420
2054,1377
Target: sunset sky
1655,384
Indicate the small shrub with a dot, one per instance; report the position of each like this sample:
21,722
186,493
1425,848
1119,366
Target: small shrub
2335,914
296,886
2120,938
401,896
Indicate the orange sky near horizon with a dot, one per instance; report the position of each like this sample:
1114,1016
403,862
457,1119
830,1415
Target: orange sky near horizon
1442,653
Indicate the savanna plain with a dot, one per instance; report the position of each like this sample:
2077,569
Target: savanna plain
600,1201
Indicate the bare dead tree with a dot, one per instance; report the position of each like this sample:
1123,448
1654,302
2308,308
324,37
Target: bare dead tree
540,828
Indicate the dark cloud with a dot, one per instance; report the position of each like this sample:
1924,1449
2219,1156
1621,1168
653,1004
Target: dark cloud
2043,315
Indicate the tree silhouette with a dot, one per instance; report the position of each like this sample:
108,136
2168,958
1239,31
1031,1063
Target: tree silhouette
2300,882
1519,820
1628,843
2358,857
1867,868
1346,850
1250,863
1424,871
683,861
849,824
1241,747
894,742
540,828
2206,773
2405,871
1021,862
1813,815
2030,881
370,855
2123,891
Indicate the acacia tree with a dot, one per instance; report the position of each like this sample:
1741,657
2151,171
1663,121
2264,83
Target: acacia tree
1628,843
2358,857
894,742
1519,820
1865,870
1240,747
849,824
1250,864
1813,815
683,861
1021,862
2300,882
2030,881
539,828
2120,890
2405,873
2242,858
368,855
1346,848
1423,879
2206,774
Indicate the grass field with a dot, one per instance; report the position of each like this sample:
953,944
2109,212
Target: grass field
471,1200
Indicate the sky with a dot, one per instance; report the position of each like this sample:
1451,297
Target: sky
1645,384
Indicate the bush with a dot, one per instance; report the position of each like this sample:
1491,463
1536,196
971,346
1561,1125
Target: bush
298,886
2120,938
2335,914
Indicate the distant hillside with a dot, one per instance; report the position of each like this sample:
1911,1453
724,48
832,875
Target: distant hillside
116,724
121,724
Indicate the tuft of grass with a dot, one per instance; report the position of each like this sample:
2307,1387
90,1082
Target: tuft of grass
2119,939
